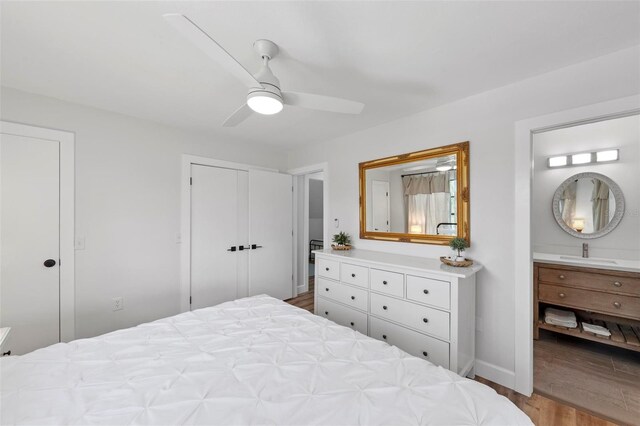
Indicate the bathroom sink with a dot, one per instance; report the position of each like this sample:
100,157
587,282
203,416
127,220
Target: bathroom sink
588,260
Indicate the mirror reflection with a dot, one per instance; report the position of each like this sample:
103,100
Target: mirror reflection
413,198
587,205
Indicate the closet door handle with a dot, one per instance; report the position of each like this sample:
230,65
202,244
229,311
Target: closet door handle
49,263
233,248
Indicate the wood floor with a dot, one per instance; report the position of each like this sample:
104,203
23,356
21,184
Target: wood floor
542,411
601,379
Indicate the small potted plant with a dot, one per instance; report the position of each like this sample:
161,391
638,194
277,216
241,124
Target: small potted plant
342,241
459,245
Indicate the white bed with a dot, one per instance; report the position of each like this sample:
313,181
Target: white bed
251,361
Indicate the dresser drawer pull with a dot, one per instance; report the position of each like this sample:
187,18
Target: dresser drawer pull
384,282
353,298
353,275
425,353
425,291
425,320
561,276
562,295
618,305
326,289
384,336
326,312
352,324
384,307
326,269
617,284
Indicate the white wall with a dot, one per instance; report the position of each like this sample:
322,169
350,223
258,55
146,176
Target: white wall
623,133
315,209
487,121
127,205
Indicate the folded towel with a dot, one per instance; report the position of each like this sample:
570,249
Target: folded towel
560,318
596,329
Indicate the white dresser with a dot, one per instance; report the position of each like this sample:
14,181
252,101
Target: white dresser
417,304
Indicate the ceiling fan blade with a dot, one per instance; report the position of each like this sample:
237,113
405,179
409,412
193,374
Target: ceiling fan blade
323,103
238,116
209,46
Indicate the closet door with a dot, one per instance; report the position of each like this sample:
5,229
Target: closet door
271,227
218,223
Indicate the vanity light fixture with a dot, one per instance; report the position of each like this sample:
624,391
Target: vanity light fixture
583,158
610,155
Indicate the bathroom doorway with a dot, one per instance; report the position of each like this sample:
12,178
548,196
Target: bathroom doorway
585,228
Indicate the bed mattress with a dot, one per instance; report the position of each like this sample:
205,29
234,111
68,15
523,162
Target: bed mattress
252,361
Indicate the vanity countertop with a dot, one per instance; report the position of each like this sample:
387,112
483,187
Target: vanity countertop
591,262
424,264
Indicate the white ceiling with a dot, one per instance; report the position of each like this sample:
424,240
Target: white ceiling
396,57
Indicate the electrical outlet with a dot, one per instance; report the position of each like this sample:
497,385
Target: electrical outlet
118,303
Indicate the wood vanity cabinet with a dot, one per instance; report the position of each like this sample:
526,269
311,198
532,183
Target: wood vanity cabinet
596,295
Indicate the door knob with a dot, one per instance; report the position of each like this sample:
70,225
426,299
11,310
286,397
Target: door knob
49,263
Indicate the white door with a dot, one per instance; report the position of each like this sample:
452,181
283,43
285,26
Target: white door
380,203
30,242
219,268
271,231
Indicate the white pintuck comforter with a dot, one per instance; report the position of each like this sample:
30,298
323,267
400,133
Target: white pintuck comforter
251,361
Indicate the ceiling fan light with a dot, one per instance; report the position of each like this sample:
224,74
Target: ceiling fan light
264,102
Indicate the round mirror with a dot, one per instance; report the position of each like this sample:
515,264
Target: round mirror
588,205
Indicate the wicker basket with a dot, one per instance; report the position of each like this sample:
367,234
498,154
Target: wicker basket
337,247
461,264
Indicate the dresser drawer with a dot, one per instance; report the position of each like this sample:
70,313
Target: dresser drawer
614,304
354,274
342,315
412,342
422,318
387,282
328,268
348,295
429,291
588,280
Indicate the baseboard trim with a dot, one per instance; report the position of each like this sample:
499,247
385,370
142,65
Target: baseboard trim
303,288
496,374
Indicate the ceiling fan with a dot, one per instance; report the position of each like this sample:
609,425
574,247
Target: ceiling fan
264,95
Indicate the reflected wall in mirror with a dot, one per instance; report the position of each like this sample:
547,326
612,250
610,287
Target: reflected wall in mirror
419,197
588,205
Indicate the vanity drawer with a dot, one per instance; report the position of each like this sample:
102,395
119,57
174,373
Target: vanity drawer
614,304
387,282
412,342
348,295
353,274
342,315
429,291
328,268
422,318
589,280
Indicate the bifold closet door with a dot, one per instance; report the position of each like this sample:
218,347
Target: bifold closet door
219,208
271,229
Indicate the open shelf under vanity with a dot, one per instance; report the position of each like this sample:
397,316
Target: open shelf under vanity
602,297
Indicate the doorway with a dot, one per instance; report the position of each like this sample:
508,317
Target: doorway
37,239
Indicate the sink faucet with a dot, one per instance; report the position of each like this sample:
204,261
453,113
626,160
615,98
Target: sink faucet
585,250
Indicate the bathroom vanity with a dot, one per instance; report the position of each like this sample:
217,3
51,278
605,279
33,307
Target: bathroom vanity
598,291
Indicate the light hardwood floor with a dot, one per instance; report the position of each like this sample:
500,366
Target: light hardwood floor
542,411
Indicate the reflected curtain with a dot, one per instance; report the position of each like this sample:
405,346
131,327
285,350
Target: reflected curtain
428,202
600,204
568,200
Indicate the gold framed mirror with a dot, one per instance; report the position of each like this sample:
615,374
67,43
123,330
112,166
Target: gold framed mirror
419,197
